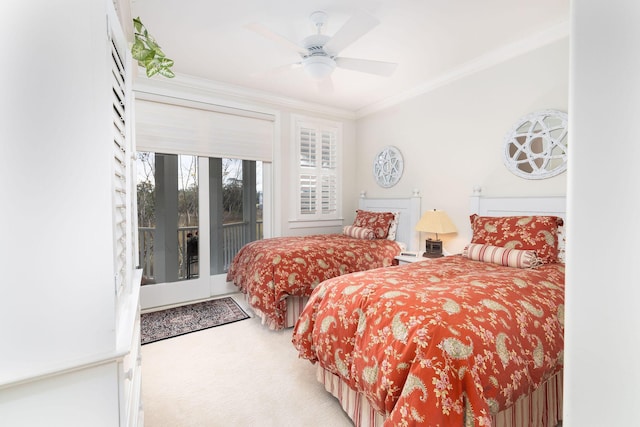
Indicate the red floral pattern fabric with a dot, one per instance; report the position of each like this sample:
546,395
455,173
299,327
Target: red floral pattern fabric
536,233
427,341
269,270
379,222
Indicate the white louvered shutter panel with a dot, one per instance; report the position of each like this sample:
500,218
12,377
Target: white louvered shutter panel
318,171
329,173
308,178
123,233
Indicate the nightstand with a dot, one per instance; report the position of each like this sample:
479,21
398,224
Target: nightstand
405,259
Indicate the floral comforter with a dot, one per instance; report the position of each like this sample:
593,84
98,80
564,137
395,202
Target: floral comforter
428,341
269,270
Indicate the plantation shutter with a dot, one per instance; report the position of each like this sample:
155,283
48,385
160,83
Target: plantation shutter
308,181
123,230
318,176
175,126
329,173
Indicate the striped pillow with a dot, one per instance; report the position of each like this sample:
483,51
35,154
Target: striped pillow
495,254
359,232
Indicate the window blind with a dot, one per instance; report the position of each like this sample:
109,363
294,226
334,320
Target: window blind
177,129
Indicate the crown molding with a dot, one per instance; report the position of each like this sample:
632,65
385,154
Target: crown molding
203,90
483,62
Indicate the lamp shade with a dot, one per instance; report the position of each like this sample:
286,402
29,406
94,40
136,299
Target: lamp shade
435,221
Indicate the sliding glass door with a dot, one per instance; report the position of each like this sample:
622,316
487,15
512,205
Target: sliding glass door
171,198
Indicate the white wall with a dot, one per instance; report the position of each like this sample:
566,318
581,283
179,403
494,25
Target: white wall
56,251
602,333
452,137
60,341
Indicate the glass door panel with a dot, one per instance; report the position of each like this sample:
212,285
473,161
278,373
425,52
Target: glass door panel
167,190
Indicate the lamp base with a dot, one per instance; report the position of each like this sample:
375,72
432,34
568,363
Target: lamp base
433,248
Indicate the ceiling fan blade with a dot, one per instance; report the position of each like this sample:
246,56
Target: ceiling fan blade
357,26
367,66
266,32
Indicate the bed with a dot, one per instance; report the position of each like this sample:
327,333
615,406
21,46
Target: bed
473,339
277,275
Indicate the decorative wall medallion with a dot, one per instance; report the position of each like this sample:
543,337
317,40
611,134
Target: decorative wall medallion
536,147
388,166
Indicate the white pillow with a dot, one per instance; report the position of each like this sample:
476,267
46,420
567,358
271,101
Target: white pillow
393,228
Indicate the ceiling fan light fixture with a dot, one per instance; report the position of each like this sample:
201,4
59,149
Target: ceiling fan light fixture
319,67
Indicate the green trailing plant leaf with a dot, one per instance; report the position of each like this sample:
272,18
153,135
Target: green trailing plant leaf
137,24
152,69
166,72
147,52
140,53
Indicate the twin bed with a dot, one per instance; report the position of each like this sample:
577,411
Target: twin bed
277,275
474,339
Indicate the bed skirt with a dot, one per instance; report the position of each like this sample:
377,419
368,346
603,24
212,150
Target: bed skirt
295,305
542,408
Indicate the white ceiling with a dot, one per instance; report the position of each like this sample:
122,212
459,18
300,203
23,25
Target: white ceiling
433,41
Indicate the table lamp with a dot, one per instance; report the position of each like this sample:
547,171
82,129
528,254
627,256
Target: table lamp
437,222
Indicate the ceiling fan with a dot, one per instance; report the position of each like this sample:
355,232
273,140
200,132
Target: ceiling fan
319,52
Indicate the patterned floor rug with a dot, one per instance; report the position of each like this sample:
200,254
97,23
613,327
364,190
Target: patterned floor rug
172,322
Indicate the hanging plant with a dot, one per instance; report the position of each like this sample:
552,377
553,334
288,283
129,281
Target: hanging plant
148,53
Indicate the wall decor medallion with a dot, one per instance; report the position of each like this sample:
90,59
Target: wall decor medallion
388,166
536,146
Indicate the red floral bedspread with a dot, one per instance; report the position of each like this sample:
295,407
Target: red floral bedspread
420,338
269,270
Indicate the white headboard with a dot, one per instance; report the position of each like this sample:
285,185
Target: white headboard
513,206
409,209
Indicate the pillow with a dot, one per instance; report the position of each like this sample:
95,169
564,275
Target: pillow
359,232
393,228
501,256
536,233
562,243
379,222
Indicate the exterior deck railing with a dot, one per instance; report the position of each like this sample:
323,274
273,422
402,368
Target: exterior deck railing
234,237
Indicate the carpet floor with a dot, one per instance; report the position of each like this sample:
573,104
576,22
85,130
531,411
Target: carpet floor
176,321
240,375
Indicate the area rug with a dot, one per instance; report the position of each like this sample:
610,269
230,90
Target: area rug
172,322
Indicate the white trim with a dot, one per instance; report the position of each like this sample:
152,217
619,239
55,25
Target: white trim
323,220
199,89
268,203
333,222
208,105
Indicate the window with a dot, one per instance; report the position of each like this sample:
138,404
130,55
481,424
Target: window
317,162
